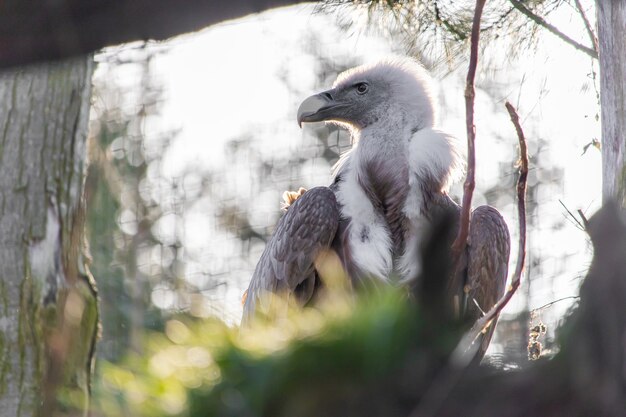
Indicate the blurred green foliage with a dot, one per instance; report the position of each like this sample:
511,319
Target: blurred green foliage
205,368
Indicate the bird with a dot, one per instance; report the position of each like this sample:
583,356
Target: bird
386,192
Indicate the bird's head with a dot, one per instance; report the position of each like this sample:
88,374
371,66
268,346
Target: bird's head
394,91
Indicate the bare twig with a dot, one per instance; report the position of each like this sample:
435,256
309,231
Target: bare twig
485,321
551,303
590,32
578,224
553,29
584,219
448,378
468,188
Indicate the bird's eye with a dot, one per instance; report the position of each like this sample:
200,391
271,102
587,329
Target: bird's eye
361,88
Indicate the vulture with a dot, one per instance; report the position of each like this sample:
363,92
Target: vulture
385,193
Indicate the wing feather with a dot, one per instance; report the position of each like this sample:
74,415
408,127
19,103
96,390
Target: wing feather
287,263
487,252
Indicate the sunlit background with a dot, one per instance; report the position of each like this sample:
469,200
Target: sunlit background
194,140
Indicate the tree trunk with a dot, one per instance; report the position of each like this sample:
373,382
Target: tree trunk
48,303
611,30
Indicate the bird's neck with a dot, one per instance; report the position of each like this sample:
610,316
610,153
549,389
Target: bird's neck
384,155
380,142
382,171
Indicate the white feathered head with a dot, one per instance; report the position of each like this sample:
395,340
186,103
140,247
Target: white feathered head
395,90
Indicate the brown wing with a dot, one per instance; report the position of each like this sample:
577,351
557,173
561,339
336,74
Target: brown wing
487,257
287,263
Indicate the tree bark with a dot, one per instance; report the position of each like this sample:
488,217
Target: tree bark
611,30
48,303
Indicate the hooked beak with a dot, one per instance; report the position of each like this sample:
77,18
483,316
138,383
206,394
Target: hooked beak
318,108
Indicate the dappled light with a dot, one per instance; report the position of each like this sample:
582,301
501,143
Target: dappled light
308,210
185,233
212,188
200,360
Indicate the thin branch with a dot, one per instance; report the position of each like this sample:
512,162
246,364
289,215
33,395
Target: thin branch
446,23
590,32
578,224
485,321
551,303
541,22
468,188
584,219
449,377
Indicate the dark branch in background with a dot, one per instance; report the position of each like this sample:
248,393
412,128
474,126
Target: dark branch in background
485,321
34,31
468,188
583,224
592,35
541,22
578,224
584,219
446,23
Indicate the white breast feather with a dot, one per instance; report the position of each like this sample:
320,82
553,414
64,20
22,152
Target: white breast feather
432,154
409,265
436,154
373,254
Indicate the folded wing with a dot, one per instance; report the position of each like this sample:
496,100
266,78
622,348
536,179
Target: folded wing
287,263
485,269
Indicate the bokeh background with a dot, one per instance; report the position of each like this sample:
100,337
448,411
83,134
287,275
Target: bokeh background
193,141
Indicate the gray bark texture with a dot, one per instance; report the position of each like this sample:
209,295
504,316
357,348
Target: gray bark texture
612,41
48,304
